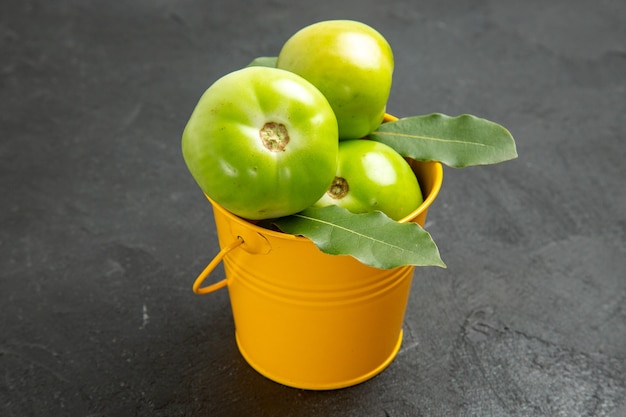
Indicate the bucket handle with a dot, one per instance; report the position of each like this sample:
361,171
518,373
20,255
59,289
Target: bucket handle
211,266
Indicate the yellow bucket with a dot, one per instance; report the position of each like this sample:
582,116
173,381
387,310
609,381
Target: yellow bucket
307,319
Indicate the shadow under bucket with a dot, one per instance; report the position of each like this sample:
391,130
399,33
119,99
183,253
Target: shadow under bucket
307,319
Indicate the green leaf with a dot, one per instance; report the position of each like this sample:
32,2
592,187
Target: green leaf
264,61
460,141
372,238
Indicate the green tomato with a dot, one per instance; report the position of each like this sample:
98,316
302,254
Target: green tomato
262,143
351,64
373,176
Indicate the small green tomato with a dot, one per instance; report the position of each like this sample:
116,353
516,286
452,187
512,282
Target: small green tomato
351,64
373,176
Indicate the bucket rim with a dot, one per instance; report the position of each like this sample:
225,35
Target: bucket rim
432,195
250,225
436,185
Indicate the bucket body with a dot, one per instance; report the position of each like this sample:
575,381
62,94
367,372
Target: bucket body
311,320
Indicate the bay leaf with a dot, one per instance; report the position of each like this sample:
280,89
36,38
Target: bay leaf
460,141
264,61
372,238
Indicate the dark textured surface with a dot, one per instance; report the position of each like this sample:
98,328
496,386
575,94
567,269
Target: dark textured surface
102,229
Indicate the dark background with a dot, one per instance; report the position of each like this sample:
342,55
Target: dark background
102,229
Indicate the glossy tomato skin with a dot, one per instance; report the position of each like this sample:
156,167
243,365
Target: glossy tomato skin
351,64
373,176
262,143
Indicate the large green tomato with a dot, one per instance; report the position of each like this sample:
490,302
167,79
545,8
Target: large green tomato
373,176
351,63
262,143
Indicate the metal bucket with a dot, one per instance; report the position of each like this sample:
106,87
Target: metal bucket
306,319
